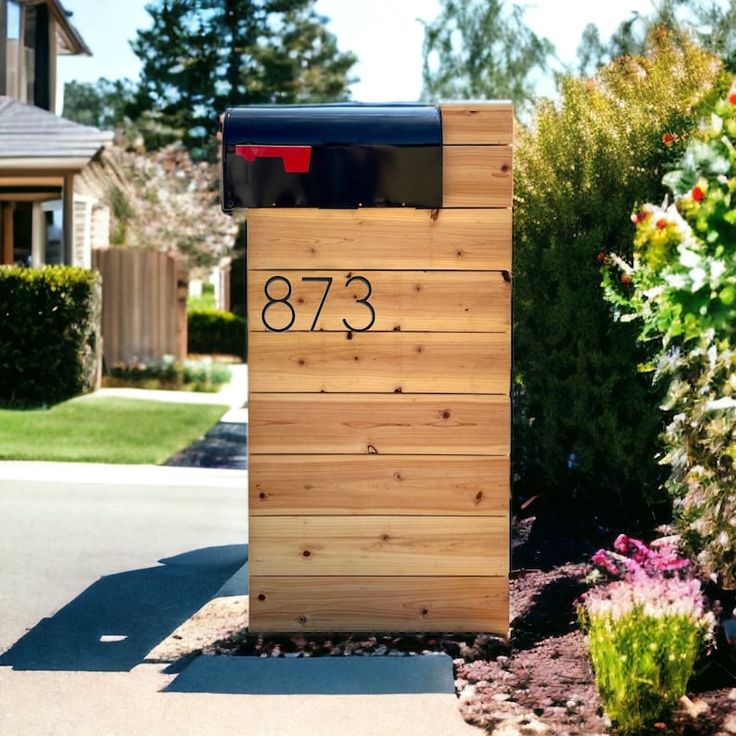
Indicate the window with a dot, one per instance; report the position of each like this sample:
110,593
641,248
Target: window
13,21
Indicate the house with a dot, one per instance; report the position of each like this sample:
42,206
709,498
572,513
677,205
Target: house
47,215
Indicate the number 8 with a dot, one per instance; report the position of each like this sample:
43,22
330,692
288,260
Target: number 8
281,300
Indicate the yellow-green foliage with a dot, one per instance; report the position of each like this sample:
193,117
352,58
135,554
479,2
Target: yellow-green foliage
588,423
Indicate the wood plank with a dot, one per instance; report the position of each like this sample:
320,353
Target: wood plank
379,238
477,123
413,301
378,484
457,604
378,545
477,176
374,362
450,424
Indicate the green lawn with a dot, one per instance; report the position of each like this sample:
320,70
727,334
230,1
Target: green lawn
104,430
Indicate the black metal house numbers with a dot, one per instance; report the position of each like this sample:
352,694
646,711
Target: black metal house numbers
273,300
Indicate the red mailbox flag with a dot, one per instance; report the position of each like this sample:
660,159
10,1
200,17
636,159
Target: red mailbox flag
296,159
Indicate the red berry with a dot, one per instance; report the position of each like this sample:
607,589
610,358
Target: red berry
625,279
732,98
601,258
669,138
661,223
697,194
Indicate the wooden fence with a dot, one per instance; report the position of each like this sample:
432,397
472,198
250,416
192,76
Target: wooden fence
144,305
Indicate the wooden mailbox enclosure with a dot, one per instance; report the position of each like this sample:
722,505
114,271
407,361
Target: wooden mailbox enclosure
379,459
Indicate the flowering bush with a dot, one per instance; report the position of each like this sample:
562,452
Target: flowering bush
681,285
644,630
163,201
168,373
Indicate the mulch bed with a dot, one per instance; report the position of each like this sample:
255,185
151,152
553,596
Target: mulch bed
542,683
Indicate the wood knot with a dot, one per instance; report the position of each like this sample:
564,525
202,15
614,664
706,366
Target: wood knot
419,349
506,276
398,476
306,553
459,253
479,496
423,611
300,300
385,537
301,361
398,390
445,414
263,495
355,357
397,328
349,335
417,287
301,620
307,487
372,450
261,597
434,214
505,167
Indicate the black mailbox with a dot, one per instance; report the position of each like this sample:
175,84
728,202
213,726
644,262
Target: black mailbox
332,156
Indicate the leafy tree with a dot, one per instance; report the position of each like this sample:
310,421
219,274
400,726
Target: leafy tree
710,23
587,423
202,56
481,49
102,103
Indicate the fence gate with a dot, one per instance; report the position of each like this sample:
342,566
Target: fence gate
379,304
144,304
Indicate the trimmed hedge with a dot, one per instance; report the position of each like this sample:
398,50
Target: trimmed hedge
49,333
216,332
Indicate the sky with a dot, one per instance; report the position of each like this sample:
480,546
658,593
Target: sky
386,35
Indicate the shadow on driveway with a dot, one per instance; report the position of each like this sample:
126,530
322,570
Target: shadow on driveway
113,624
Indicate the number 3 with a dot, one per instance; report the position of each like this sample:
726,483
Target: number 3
364,302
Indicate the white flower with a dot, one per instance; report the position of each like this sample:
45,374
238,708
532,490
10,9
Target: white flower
726,402
688,258
676,280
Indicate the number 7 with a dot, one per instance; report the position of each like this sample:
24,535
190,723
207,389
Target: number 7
328,281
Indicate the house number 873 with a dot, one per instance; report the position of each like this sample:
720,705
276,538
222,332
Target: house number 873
273,301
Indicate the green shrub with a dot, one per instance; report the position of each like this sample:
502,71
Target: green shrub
642,649
681,285
170,374
216,332
586,424
645,631
49,333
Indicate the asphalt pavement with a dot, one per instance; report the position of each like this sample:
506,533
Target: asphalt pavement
98,563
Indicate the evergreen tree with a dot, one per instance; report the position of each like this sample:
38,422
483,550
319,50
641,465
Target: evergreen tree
202,56
586,420
479,49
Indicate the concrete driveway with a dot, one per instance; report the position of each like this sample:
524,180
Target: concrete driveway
64,526
100,563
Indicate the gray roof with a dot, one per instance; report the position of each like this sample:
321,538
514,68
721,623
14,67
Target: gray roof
27,131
